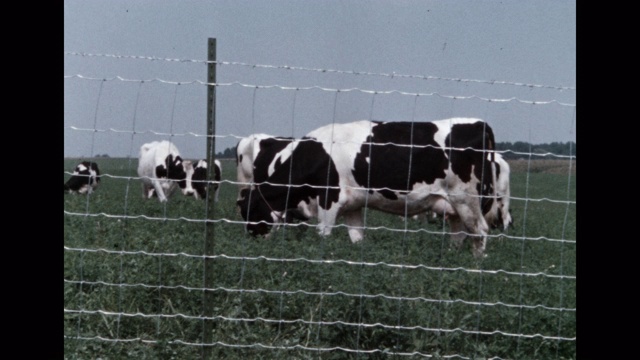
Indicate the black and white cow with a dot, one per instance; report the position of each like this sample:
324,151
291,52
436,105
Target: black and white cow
197,179
162,170
403,168
254,158
84,179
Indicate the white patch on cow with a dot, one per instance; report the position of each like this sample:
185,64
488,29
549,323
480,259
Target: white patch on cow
188,190
80,168
153,154
247,149
309,210
282,156
219,166
502,193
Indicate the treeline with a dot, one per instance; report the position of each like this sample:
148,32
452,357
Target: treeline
518,149
521,149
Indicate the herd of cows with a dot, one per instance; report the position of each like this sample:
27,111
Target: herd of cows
445,168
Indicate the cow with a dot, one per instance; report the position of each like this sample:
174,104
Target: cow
254,158
404,168
197,179
84,179
161,170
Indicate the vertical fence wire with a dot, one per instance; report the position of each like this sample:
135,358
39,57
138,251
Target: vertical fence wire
564,229
364,225
125,222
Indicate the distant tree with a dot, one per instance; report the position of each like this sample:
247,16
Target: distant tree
521,149
228,153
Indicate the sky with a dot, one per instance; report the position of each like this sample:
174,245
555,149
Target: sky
135,71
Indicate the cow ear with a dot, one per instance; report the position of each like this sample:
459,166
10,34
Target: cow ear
168,161
178,160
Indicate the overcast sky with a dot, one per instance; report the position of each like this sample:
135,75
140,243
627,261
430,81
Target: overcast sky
465,58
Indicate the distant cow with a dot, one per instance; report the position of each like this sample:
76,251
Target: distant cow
404,168
197,179
162,170
84,179
256,159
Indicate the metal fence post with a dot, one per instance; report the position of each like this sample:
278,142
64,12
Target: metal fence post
207,302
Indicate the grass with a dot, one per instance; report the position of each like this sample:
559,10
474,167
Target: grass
134,269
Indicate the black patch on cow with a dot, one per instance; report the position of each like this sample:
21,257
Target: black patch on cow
199,177
161,171
253,209
474,138
269,148
389,158
310,166
82,176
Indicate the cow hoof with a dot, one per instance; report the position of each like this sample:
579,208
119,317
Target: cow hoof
479,255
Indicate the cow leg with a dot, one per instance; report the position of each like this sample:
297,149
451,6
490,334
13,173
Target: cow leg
159,191
472,218
479,244
326,218
458,231
355,224
146,194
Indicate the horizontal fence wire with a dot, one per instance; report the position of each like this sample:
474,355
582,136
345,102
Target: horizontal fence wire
303,223
239,137
298,88
317,323
274,347
325,187
298,68
326,261
315,293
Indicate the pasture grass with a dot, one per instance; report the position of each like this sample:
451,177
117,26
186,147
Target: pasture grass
134,270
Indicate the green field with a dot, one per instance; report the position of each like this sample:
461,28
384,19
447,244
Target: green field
134,288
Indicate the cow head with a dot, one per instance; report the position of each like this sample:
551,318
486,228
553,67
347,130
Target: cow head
173,169
499,218
257,212
196,179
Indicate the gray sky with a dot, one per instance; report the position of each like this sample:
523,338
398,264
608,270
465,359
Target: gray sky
488,42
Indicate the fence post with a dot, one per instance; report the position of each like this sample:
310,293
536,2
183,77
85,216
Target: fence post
207,301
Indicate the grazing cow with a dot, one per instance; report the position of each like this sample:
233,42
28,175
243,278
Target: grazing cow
405,168
197,179
255,155
84,179
161,170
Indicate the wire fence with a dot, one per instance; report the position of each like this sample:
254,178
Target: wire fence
134,267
